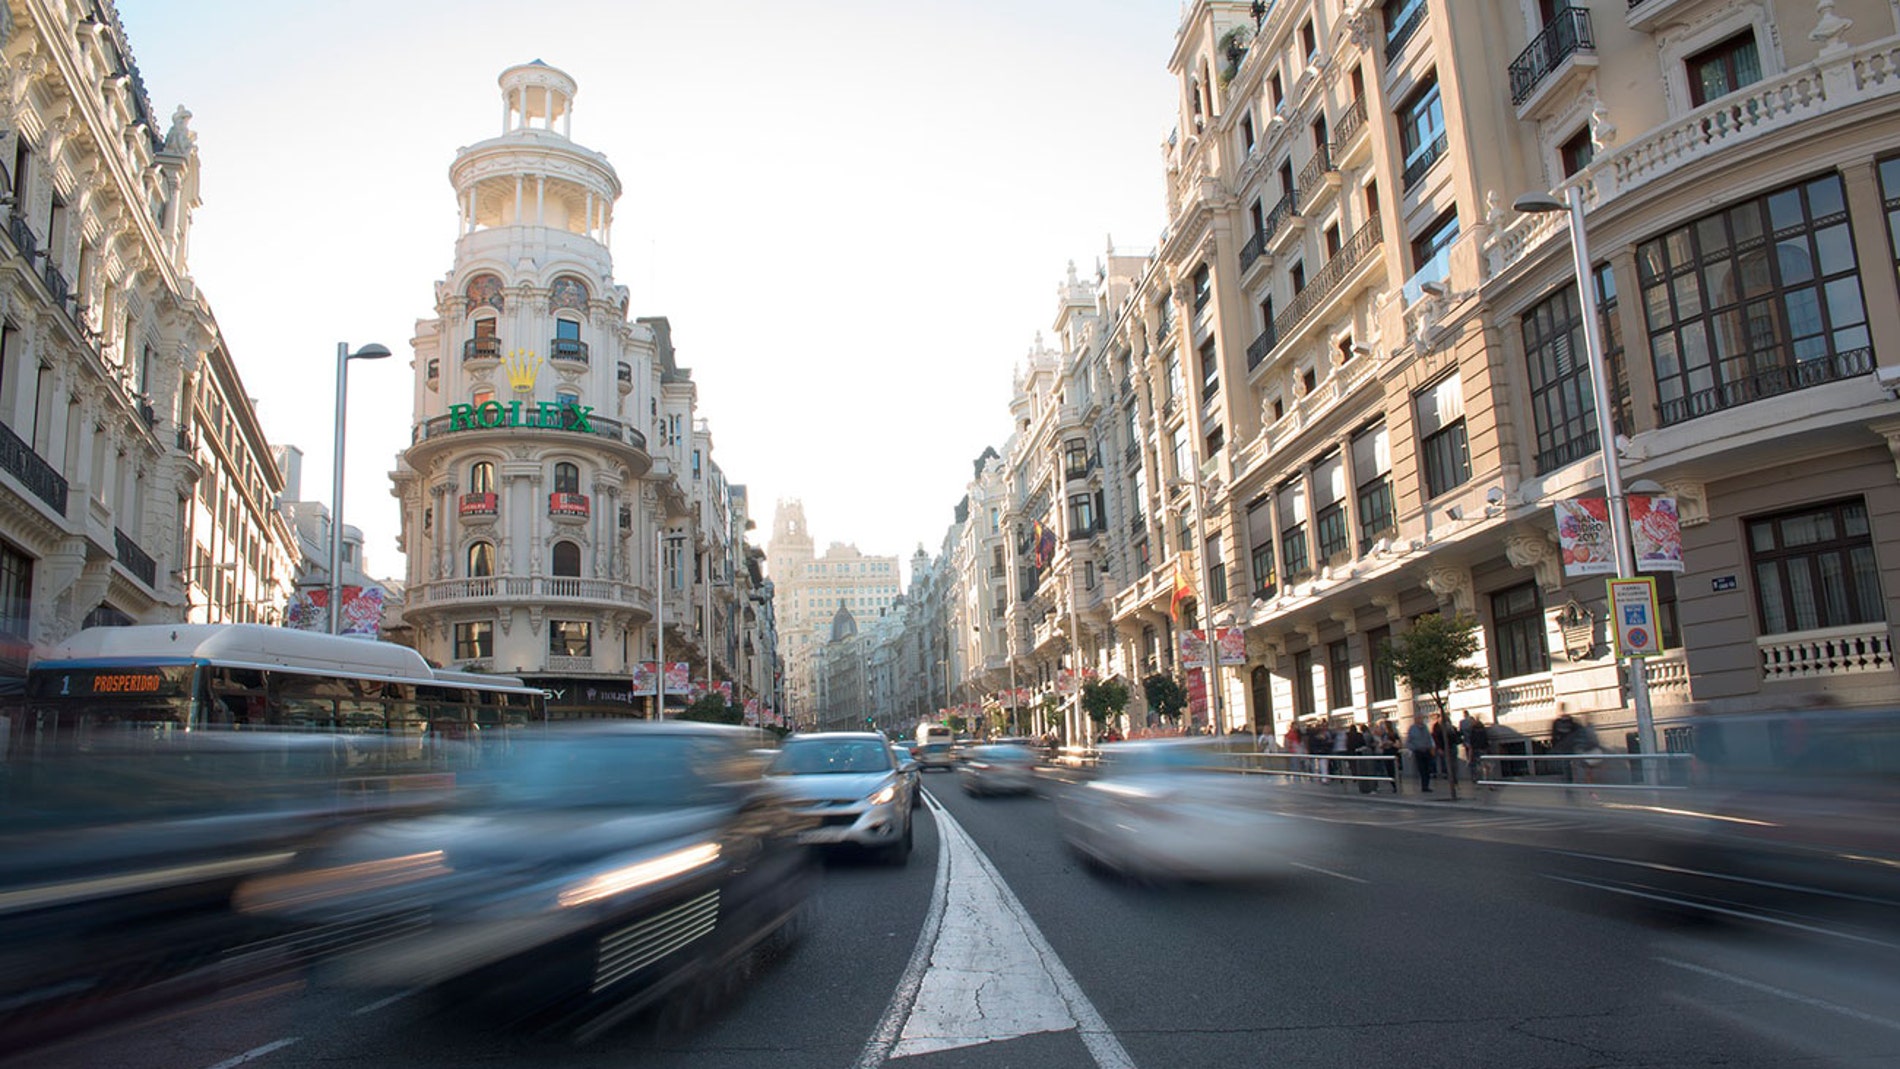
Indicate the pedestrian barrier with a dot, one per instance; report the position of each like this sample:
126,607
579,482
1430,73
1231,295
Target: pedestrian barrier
1078,756
1325,768
1594,771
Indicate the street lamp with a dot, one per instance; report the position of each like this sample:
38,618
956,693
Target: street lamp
1620,538
371,351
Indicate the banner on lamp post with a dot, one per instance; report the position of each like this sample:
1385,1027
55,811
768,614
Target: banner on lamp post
1655,533
1584,536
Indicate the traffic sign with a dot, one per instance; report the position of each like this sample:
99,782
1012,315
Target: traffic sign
1633,608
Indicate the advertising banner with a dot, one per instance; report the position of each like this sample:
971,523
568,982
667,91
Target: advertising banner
362,610
1197,696
1065,681
1232,643
644,679
1656,534
1583,534
1193,646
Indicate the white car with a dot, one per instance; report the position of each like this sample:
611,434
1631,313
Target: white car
853,785
1173,808
998,770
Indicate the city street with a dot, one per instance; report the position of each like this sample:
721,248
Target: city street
1434,935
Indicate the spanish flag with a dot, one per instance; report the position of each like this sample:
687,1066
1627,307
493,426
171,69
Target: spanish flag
1182,591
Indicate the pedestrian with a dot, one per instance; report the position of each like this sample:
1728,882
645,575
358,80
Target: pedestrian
1389,748
1418,739
1445,738
1477,743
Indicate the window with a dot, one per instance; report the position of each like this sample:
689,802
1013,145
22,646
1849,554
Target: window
1309,41
1563,399
1173,377
481,560
481,477
1329,507
567,330
1383,682
1431,248
482,395
1260,531
1815,568
570,638
1303,705
1576,153
1401,19
1215,439
1517,621
1721,70
1260,683
567,478
16,601
1276,91
1182,465
1309,381
1422,131
1339,674
1890,191
1292,501
1332,240
1081,514
1297,275
1246,134
474,641
485,327
1203,287
1758,299
1210,371
1216,571
1286,179
1075,457
567,559
1441,435
1372,468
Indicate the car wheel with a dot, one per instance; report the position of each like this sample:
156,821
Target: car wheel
898,853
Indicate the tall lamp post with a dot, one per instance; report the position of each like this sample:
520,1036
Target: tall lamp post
371,351
1620,538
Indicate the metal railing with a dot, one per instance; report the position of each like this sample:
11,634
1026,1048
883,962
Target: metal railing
19,460
1282,211
1351,123
1330,278
572,349
1567,34
1310,177
1419,167
1585,771
55,282
136,560
1258,349
482,349
1397,36
1322,768
1253,249
436,426
22,234
1779,380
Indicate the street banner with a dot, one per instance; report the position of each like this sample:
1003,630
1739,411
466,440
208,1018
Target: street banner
308,610
644,679
1633,610
1655,533
1197,695
1583,534
1065,681
1193,648
1232,644
725,690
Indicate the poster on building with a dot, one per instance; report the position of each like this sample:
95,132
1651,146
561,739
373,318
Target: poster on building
362,610
1232,643
1583,534
1193,648
1655,533
1633,611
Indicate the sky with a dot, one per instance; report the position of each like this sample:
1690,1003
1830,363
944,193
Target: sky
855,213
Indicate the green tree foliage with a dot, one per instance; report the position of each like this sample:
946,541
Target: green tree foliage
1166,697
1104,698
1435,654
713,709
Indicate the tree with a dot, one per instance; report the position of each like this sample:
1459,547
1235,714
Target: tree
1166,697
714,709
1104,698
1432,656
959,724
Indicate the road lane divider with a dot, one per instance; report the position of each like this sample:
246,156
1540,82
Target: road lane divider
255,1053
1792,996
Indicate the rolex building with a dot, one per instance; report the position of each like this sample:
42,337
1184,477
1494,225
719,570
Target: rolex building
530,548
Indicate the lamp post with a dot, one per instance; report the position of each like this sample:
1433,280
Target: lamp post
1620,538
371,351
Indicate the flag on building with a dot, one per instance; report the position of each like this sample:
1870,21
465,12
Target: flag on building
1182,591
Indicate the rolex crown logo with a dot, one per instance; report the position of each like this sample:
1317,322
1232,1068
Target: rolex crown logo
521,366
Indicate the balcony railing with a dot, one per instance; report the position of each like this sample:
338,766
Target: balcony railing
482,349
1351,122
1526,696
1251,252
1258,349
1330,278
437,426
1827,651
55,282
44,481
477,505
1567,34
532,588
1312,178
1777,380
1397,36
22,234
1283,210
572,349
1567,452
136,560
1422,164
566,662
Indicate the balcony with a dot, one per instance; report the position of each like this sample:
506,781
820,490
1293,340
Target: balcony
569,350
1527,698
1254,248
1349,134
1826,652
569,507
1786,378
623,374
1561,54
1646,15
488,348
477,506
1320,176
55,282
562,662
135,560
22,234
1396,37
1258,349
1421,164
1284,221
538,589
1330,279
41,479
1668,677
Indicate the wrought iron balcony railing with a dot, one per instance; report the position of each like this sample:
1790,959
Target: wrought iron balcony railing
1767,383
568,349
482,349
1330,278
18,459
1567,34
136,560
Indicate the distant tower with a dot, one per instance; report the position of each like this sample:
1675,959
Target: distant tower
530,545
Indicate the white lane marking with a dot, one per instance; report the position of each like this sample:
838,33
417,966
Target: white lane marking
1660,867
987,972
1792,996
383,1003
255,1053
878,1047
1326,872
1760,918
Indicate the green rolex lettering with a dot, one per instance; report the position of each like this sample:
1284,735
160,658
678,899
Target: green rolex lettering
459,417
490,414
580,418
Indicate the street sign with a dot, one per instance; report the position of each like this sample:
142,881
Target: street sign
1633,609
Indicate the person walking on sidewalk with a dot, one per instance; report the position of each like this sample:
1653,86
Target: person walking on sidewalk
1388,743
1418,739
1477,742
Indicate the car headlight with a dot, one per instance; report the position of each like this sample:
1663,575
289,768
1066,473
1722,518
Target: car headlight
639,874
884,794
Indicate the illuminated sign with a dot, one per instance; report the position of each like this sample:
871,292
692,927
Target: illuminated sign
549,415
107,682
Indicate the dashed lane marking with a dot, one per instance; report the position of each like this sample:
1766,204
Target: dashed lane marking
255,1053
1792,996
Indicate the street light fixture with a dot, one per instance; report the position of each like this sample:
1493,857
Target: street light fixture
1620,538
371,351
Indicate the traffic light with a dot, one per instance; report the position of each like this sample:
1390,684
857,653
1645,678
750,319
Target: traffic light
870,722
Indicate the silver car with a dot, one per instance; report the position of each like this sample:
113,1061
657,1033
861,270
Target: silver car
854,786
998,770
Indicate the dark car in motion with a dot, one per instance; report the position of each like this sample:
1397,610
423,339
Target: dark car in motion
605,869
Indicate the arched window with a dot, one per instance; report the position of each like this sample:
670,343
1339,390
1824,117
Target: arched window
567,478
567,559
567,397
481,477
481,560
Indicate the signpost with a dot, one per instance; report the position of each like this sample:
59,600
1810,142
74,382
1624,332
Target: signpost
1633,609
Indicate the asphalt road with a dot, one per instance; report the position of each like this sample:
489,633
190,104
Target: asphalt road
1420,936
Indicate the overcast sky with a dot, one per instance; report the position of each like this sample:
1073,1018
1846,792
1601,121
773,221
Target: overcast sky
855,212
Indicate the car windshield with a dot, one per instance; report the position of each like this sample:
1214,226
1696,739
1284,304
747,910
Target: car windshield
633,770
1005,754
816,757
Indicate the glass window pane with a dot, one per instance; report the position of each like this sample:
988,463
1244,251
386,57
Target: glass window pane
1843,302
1774,611
1834,247
1833,590
1784,209
1795,260
1866,581
1801,595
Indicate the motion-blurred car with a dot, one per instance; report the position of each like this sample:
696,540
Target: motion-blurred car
853,786
937,755
1174,809
998,770
605,868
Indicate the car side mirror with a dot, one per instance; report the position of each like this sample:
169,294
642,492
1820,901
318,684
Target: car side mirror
907,766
